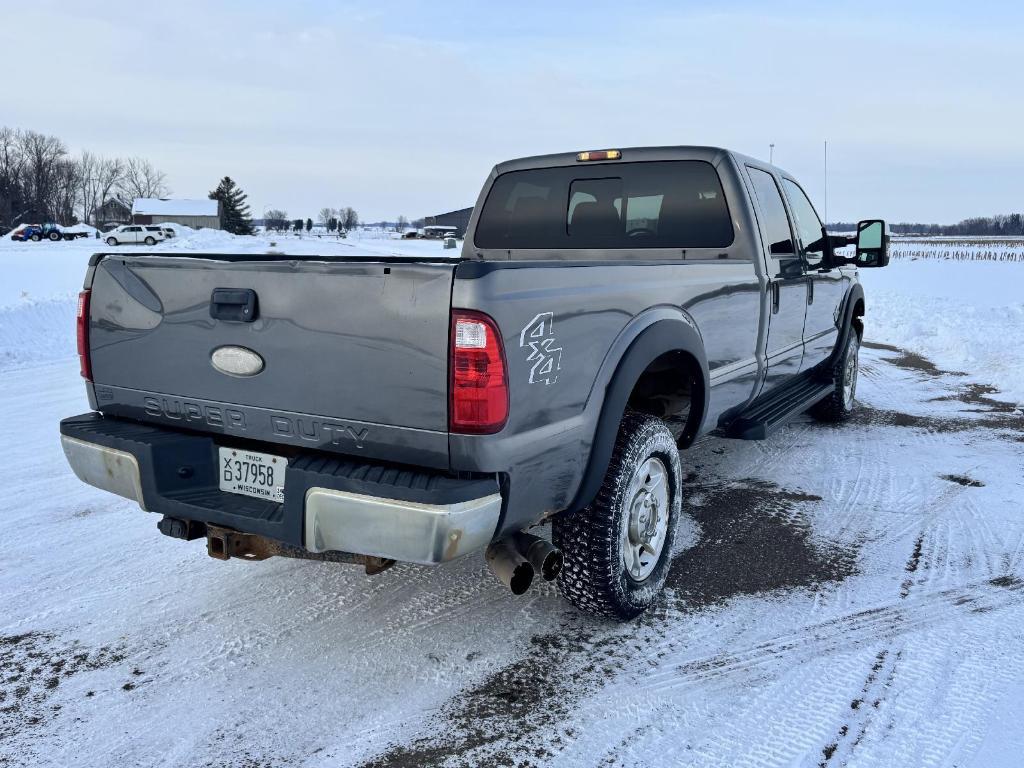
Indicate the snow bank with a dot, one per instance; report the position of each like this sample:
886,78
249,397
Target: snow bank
41,271
37,332
965,316
88,229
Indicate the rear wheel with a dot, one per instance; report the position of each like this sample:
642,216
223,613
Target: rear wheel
111,241
54,236
618,550
150,241
839,405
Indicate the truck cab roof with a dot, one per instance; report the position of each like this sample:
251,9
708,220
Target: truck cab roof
709,154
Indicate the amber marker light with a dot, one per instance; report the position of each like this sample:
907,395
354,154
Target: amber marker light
602,154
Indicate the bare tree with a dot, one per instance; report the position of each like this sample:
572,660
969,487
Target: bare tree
12,163
275,219
142,179
326,214
67,178
40,175
99,180
40,181
401,224
349,218
87,193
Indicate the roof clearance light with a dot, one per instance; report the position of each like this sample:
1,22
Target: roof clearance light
604,154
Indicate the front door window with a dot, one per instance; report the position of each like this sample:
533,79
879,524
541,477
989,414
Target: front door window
808,225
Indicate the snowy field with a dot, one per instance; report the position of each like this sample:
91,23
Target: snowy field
848,596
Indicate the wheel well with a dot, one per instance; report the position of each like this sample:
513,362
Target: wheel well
858,318
666,389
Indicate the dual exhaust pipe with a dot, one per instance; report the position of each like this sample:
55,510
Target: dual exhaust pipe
517,558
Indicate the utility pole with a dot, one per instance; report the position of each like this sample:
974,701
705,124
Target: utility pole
826,182
771,154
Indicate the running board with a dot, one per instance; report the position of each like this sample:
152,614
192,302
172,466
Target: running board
768,413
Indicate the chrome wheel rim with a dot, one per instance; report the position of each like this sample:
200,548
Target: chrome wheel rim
645,523
850,376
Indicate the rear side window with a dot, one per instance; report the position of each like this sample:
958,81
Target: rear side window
670,204
775,223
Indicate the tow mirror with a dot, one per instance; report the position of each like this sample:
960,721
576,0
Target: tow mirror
872,244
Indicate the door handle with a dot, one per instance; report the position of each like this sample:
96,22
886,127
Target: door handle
810,290
234,304
774,287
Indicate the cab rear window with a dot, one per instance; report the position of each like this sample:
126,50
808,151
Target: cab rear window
667,204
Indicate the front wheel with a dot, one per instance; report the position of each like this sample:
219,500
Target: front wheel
36,238
111,241
839,405
618,550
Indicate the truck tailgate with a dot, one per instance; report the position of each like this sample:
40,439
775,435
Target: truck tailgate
354,353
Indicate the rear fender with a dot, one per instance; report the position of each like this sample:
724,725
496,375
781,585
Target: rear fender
660,336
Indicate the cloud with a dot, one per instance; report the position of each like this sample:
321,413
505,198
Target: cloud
404,107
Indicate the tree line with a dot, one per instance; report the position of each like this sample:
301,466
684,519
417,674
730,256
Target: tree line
1001,225
41,181
332,219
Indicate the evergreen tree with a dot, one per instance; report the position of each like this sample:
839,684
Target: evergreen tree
309,224
234,212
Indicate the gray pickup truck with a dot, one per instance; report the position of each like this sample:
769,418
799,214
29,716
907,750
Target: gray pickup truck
607,309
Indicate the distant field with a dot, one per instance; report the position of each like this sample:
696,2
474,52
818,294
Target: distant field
958,248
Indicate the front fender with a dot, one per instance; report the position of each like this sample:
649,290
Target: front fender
855,294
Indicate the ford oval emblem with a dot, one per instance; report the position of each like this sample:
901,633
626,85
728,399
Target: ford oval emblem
236,361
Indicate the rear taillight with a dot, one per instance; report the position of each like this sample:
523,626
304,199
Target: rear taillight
479,381
83,335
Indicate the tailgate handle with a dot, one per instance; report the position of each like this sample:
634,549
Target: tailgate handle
236,304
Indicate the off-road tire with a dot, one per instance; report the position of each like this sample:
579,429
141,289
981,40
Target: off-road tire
594,576
841,403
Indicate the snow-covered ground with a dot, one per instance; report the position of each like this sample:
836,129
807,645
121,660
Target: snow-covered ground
842,596
964,315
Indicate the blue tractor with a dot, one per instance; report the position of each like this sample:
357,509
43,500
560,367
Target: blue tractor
49,231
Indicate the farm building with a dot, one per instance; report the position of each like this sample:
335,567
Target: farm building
458,219
190,213
112,213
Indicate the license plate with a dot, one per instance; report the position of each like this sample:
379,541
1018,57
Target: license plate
252,474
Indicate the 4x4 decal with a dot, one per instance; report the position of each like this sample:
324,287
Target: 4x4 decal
539,337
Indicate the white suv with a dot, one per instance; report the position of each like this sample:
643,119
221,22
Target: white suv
135,233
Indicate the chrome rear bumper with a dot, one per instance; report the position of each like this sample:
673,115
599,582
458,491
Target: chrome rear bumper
407,531
331,504
105,468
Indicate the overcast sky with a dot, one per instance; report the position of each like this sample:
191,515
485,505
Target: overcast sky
403,107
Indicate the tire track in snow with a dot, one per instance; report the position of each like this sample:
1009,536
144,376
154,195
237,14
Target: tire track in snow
940,528
867,509
842,633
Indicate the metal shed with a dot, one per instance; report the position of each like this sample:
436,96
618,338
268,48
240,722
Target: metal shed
458,219
197,214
